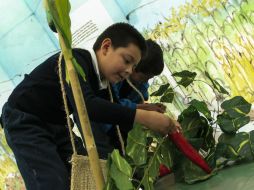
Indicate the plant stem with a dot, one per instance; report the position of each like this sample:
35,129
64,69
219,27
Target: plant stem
151,162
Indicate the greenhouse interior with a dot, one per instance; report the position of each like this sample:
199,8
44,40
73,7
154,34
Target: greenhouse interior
79,116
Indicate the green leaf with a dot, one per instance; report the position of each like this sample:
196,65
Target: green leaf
110,184
59,10
236,107
168,96
216,85
187,77
210,158
120,172
148,183
252,141
193,173
79,69
152,170
238,146
207,134
121,180
166,151
191,111
196,142
137,145
161,90
50,19
231,125
121,163
196,126
191,126
201,107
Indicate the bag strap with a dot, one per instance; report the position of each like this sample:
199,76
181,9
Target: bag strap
67,112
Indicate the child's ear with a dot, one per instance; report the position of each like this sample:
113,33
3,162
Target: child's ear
105,45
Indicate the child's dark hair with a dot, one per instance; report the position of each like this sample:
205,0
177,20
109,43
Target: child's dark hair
121,35
152,63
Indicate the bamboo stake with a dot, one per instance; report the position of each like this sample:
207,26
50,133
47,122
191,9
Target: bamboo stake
82,112
83,117
84,121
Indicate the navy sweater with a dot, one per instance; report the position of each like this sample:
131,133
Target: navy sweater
39,94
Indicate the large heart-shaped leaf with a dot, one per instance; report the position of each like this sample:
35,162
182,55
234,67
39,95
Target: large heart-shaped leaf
191,112
238,146
187,77
168,96
120,171
216,85
161,90
231,125
236,107
201,107
137,145
191,126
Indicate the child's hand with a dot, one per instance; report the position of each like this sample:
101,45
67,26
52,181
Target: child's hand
152,107
163,107
175,126
169,125
157,122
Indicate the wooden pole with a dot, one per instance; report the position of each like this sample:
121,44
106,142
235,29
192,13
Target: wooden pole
83,117
82,112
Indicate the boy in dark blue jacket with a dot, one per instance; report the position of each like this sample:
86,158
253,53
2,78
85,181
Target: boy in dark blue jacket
34,118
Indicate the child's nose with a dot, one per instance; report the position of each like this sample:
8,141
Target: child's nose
129,69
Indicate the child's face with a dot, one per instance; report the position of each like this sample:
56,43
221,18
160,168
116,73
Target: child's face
117,64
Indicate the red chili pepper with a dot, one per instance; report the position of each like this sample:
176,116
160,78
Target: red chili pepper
164,170
185,147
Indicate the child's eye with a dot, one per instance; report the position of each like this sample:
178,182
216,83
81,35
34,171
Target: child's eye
127,61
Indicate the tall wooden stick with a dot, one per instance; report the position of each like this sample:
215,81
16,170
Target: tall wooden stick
81,109
83,117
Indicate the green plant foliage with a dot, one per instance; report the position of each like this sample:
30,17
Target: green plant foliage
190,112
201,107
234,115
192,173
214,40
161,155
196,128
145,151
187,77
168,96
120,172
136,147
161,90
231,125
79,69
216,85
59,12
237,147
236,107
